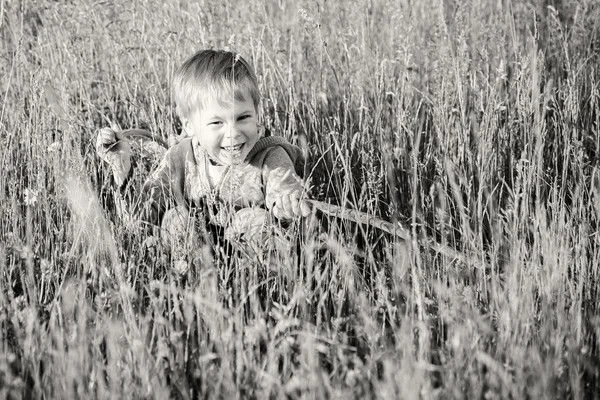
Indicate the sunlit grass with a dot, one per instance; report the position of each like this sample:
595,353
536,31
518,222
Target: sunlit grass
474,124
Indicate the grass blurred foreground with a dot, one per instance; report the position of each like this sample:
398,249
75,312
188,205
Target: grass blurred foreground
475,123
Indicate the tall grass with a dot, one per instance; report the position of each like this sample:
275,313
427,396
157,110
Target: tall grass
475,123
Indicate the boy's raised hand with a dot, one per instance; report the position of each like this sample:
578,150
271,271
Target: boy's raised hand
289,206
113,148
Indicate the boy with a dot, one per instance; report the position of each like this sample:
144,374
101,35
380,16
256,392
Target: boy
224,165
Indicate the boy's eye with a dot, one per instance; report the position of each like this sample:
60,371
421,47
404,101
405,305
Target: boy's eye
243,117
215,123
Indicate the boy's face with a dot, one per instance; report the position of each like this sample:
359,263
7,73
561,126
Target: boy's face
226,129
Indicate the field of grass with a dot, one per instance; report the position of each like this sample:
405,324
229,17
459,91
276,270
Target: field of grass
475,123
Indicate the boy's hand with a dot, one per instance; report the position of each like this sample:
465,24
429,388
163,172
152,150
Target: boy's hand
114,148
289,206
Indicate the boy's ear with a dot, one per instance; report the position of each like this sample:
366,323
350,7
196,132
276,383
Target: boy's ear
186,127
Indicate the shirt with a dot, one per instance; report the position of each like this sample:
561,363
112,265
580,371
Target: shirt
182,179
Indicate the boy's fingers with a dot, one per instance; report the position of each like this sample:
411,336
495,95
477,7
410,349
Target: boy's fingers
119,135
290,206
100,147
115,128
278,212
107,132
286,205
106,137
280,209
304,208
295,206
300,206
105,140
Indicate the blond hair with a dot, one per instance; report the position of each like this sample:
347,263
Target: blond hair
213,74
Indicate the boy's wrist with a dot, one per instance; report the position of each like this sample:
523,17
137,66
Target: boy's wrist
126,179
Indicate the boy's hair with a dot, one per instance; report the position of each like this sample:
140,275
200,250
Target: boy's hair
209,74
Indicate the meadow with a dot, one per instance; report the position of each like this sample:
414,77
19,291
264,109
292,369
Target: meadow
473,123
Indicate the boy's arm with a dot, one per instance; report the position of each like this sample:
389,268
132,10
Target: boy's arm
145,202
284,190
114,149
118,170
162,190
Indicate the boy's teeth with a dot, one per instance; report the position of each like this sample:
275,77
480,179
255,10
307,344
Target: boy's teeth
233,148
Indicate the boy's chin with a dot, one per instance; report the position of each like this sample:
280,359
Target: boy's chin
233,160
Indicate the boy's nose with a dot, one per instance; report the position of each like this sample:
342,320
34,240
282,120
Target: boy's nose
232,133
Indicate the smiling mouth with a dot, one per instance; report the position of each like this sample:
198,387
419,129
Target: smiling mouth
237,147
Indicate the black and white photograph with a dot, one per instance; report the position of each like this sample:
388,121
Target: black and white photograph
300,199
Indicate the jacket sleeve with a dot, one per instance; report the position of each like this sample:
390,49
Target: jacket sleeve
279,176
161,191
118,199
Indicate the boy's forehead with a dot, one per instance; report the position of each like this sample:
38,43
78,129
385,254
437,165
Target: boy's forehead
225,102
226,97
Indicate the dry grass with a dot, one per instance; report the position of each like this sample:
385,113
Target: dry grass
474,122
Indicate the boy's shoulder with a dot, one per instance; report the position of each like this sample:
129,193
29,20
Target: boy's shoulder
183,146
184,149
269,145
174,160
181,150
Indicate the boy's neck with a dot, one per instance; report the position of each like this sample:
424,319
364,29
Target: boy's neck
215,173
